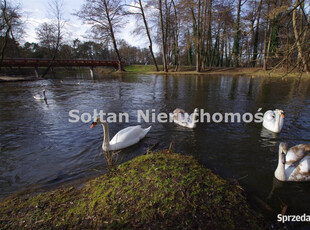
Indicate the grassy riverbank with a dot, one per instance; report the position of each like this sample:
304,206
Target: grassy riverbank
25,74
151,191
190,70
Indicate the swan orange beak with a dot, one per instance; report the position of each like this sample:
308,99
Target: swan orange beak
282,114
93,125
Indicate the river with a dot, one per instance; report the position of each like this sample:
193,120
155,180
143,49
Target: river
39,147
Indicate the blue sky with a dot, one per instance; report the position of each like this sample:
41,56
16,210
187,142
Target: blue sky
36,12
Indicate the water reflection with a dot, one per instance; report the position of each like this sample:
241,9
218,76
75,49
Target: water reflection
39,146
268,138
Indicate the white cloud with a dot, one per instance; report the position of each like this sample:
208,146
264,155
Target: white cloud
72,30
31,24
35,12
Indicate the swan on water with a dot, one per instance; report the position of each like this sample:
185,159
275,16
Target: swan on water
293,163
123,139
182,118
40,96
273,120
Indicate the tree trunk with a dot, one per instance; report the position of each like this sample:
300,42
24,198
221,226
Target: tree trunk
189,49
57,13
176,39
255,45
119,58
266,52
163,36
7,33
55,52
204,34
297,38
6,37
237,37
197,34
148,35
209,34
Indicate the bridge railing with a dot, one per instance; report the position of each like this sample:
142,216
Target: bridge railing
34,62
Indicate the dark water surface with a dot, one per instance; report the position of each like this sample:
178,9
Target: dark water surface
38,146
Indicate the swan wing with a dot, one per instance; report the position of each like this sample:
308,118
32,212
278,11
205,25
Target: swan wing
180,116
269,120
128,136
269,116
296,153
177,110
37,96
125,134
304,166
184,119
302,171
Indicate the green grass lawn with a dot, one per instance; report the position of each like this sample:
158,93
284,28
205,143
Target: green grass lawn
141,68
189,70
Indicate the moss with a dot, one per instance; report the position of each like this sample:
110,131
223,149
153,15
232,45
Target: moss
152,191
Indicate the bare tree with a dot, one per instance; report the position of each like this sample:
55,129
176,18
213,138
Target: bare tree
298,39
47,36
236,50
51,35
208,33
256,34
142,14
105,17
266,43
196,11
163,30
9,20
176,37
148,34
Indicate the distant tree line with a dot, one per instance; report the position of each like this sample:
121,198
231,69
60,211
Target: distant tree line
202,33
84,50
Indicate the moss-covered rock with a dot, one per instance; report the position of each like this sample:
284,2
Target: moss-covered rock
152,191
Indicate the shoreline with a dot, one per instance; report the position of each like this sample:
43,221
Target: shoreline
185,70
156,190
18,78
190,70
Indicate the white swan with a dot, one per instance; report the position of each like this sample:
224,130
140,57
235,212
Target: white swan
182,118
123,139
40,96
294,163
273,120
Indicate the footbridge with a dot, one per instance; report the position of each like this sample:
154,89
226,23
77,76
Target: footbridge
38,62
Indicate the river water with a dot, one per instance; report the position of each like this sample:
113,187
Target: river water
40,147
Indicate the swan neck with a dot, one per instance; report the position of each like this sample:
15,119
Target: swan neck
194,117
280,171
278,121
106,136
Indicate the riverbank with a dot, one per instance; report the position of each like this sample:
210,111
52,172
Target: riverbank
17,78
153,191
190,70
27,75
